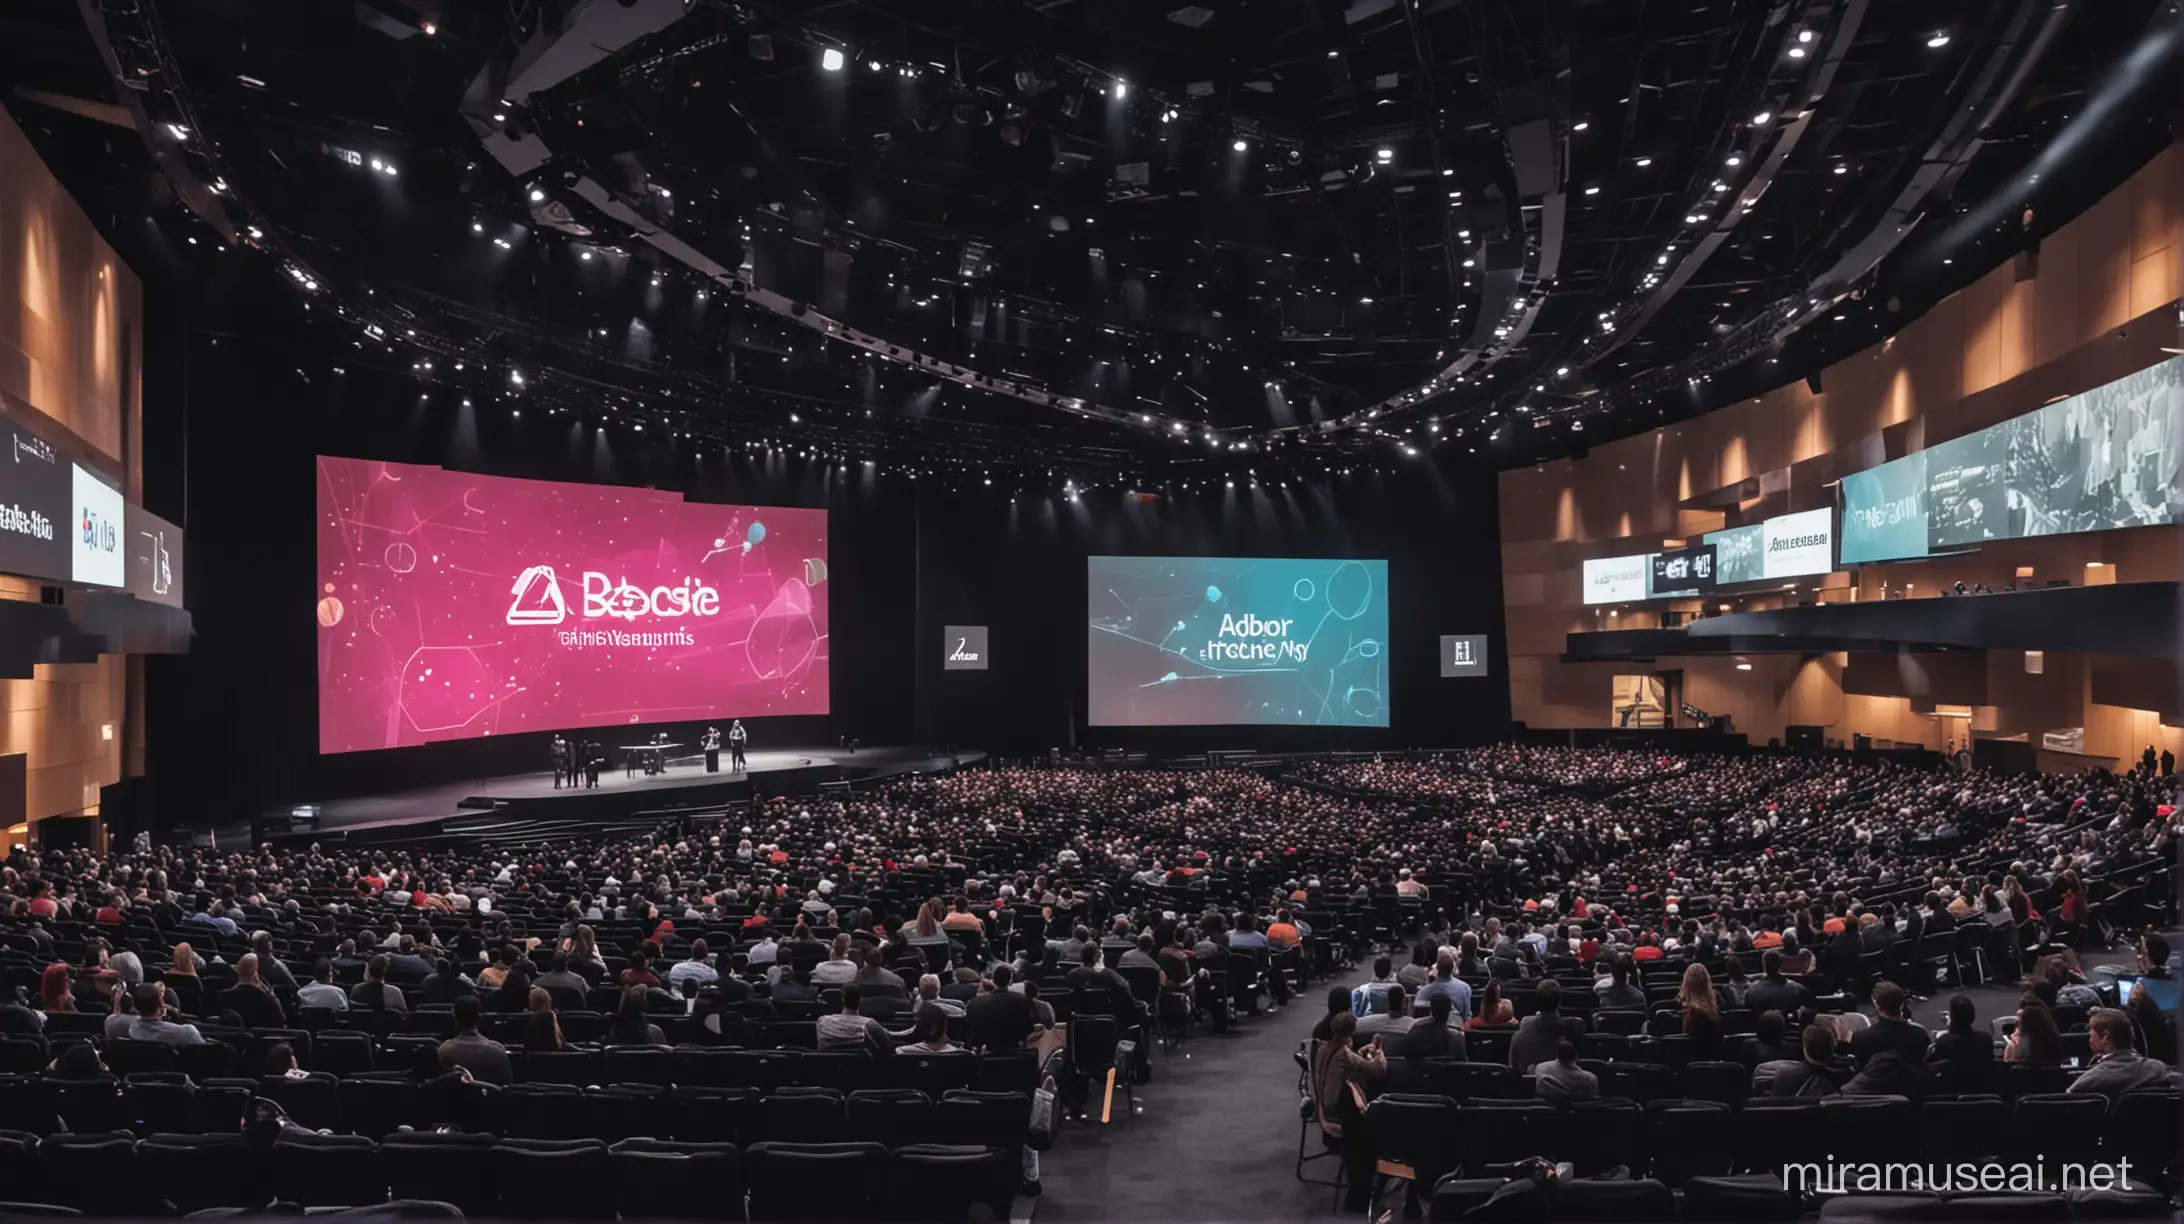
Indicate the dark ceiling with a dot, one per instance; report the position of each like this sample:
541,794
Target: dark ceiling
1133,241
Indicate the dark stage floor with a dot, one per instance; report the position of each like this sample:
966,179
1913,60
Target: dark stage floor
684,784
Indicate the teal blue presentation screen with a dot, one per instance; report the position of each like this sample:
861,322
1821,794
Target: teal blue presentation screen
1884,511
1226,641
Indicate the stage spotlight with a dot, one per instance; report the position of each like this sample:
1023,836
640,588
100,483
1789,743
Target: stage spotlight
537,196
1760,119
1240,145
831,59
1122,89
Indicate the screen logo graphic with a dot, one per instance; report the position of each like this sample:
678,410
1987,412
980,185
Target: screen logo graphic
162,565
25,522
96,541
1463,654
624,600
538,598
963,648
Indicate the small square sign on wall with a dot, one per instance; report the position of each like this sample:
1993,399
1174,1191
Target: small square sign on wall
963,648
1463,654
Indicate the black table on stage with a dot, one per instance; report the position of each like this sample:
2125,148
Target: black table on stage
654,755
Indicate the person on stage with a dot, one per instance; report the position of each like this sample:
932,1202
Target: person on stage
737,738
592,754
711,742
561,762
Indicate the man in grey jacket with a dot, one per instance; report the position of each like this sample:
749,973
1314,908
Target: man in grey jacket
2117,1067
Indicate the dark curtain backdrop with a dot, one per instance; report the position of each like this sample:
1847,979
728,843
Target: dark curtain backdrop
232,728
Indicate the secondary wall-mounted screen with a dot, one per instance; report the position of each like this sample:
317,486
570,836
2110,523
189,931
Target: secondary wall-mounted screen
1799,544
1740,554
36,507
1968,489
452,606
1884,511
1683,571
2101,460
96,531
1216,641
1618,579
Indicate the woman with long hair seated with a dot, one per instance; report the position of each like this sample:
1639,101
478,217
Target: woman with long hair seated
541,1025
1494,1010
2036,1039
631,1027
1701,1012
56,991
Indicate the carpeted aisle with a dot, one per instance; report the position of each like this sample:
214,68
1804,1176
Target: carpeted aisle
1216,1138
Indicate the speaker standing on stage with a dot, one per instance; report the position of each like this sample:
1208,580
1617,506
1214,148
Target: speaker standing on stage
737,737
561,762
592,755
712,749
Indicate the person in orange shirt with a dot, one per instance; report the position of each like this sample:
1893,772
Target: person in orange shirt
1283,932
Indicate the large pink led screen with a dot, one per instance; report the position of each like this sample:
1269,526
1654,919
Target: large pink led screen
452,605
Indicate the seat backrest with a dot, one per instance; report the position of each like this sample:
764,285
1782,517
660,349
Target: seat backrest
316,1170
658,1179
567,1178
937,1182
442,1167
93,1172
818,1181
194,1172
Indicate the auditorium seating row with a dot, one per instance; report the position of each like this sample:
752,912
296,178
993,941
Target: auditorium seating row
379,1104
698,1066
1761,1198
485,1175
1675,1140
1730,1083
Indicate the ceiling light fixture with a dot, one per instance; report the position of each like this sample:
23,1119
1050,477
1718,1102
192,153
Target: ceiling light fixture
1580,125
1592,191
1762,117
1939,40
1797,53
1804,36
831,59
1240,145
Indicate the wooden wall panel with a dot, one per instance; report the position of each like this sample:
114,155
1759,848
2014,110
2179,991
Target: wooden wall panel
71,313
71,347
